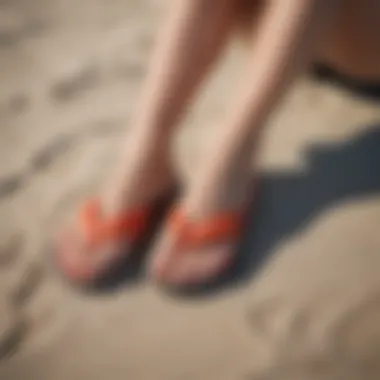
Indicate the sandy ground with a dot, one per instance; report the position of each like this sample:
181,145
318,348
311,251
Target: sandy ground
307,302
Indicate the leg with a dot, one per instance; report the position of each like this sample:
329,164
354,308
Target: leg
284,44
195,34
193,38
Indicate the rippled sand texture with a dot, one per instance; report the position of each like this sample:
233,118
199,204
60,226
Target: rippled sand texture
307,302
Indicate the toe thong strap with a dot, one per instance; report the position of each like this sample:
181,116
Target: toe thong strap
97,228
217,229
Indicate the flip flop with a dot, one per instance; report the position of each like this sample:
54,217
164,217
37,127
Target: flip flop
192,236
130,228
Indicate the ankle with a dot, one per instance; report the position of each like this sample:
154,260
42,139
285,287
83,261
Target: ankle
225,187
139,182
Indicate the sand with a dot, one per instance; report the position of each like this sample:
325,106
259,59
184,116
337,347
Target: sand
307,302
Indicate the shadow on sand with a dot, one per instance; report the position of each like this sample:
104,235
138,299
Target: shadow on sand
290,201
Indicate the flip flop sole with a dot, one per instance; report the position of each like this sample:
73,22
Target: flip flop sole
126,267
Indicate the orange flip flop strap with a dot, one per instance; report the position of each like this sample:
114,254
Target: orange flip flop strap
226,226
98,229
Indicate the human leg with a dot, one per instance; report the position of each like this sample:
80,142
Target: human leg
191,41
284,45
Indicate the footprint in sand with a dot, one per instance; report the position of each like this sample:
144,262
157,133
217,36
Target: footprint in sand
30,300
46,156
15,105
76,84
10,185
28,286
16,27
11,251
351,351
18,103
356,336
12,325
12,331
275,322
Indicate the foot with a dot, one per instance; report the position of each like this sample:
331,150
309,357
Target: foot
86,252
200,239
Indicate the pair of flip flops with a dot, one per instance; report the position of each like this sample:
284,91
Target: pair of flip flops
95,230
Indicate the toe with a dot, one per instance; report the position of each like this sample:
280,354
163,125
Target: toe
72,259
82,264
202,266
192,267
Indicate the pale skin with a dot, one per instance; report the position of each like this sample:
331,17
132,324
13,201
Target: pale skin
286,37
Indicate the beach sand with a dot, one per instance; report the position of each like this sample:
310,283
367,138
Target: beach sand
307,302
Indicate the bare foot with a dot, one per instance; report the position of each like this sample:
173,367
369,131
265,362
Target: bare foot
124,210
199,247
